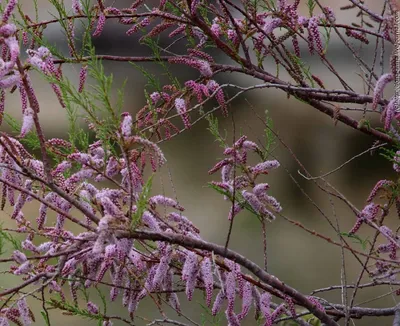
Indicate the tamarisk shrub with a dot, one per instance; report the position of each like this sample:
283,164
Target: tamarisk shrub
142,245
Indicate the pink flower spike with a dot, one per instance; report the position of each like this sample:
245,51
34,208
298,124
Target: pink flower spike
19,257
257,205
77,7
271,202
379,87
382,184
100,25
166,201
181,108
249,145
247,300
126,125
230,291
389,112
370,211
189,273
271,25
314,34
265,167
233,212
4,322
232,318
92,308
265,302
278,312
396,164
207,278
24,311
8,10
260,189
82,78
219,300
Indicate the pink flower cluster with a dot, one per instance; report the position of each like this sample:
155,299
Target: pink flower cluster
256,198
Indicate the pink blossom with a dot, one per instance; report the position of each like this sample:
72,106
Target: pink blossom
100,25
396,164
314,35
356,226
230,290
216,29
82,158
155,97
232,36
109,207
220,164
219,300
207,278
77,7
182,220
260,189
265,167
28,245
201,54
271,24
150,145
249,145
162,268
382,184
24,311
379,87
10,81
370,211
389,112
257,205
24,268
278,311
45,246
386,231
213,86
271,202
8,10
329,14
126,125
181,28
202,65
19,257
92,308
181,108
247,300
316,302
112,167
189,273
162,200
265,302
232,318
82,78
233,212
8,30
151,221
62,167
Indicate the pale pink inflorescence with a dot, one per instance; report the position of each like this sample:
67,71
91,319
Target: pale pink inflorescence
257,198
27,122
181,108
380,85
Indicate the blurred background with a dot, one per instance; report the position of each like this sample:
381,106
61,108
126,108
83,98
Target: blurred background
297,258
